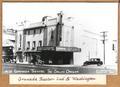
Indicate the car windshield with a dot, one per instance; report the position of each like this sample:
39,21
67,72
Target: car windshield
94,59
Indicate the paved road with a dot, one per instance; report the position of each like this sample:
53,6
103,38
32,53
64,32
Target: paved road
55,69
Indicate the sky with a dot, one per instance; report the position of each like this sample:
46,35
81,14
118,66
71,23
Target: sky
98,16
95,17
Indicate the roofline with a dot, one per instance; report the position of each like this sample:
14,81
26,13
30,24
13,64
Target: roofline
39,27
34,27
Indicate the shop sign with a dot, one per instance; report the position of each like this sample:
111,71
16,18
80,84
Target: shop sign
46,48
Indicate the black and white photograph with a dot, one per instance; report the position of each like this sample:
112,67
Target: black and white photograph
59,38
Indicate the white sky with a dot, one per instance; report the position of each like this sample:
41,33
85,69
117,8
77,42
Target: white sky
95,17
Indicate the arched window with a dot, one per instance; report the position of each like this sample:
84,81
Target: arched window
52,35
33,45
28,45
40,43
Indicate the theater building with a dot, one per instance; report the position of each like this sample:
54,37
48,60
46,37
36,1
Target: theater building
59,41
19,46
50,40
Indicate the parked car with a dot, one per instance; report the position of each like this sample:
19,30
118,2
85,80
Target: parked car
93,61
36,60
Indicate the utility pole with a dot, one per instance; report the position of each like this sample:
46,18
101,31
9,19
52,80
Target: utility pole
104,44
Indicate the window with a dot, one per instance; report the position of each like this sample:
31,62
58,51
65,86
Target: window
25,32
40,43
31,32
72,27
52,33
60,38
34,45
28,32
34,31
20,40
28,45
40,31
113,47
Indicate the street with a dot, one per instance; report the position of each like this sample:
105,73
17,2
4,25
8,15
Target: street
55,69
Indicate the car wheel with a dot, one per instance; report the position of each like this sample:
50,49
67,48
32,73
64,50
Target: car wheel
36,63
98,64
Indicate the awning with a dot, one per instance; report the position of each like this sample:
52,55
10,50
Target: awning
32,51
59,49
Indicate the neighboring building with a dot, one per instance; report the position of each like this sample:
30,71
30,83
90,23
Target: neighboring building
50,41
90,44
8,37
7,54
8,44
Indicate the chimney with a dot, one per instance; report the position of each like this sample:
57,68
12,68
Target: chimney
60,15
44,20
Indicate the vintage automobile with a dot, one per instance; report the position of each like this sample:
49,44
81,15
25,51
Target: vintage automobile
93,61
36,60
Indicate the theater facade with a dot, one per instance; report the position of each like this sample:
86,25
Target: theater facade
51,41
